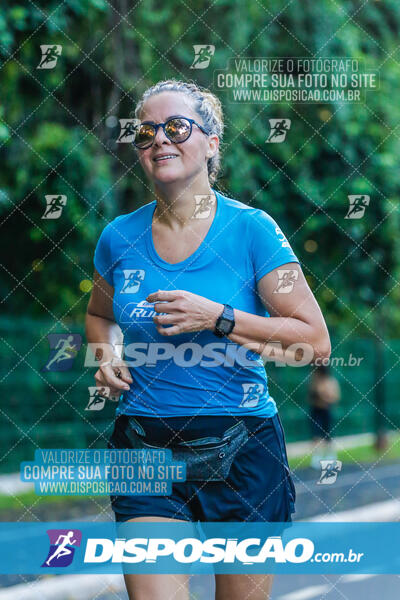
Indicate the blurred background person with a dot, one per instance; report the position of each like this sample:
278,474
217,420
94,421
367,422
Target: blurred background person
324,393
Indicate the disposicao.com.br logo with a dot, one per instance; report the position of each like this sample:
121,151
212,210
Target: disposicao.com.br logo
62,547
212,550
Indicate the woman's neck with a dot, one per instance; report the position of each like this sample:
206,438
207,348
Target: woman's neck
176,208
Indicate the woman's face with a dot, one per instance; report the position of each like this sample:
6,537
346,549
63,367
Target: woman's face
190,157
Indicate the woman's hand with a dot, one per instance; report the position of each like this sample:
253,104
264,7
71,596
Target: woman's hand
186,312
115,375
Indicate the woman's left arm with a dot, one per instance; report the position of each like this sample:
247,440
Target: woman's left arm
295,317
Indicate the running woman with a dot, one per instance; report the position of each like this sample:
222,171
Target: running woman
196,284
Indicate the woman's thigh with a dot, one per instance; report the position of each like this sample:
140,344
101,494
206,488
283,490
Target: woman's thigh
243,587
156,586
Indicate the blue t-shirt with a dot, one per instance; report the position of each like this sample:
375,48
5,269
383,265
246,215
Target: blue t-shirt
191,373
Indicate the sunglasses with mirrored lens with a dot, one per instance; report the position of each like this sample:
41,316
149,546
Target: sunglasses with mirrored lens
176,129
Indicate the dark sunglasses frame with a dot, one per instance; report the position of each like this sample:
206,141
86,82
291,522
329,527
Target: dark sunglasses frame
156,127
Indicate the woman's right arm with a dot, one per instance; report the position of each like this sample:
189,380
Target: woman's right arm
102,329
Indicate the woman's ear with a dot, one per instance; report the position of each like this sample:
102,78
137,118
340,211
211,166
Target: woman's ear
213,146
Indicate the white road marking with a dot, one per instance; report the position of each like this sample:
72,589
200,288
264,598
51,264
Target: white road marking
355,578
387,510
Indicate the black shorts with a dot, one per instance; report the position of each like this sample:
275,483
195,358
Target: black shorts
258,487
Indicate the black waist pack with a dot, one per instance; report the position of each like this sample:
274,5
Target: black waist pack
206,459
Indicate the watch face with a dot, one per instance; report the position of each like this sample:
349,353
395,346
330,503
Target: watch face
224,324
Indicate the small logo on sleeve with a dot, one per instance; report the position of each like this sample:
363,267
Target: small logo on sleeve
282,237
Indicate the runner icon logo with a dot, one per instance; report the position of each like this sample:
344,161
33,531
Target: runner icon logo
62,547
63,349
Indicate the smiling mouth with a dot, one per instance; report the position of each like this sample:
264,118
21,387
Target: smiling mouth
164,158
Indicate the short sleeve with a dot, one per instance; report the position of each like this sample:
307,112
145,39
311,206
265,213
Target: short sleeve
269,247
102,256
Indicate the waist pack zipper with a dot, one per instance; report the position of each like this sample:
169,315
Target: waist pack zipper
207,445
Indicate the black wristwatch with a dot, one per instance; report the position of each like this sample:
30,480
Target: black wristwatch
225,322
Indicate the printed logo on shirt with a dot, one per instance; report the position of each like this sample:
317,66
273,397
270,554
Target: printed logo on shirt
133,279
252,393
282,238
142,311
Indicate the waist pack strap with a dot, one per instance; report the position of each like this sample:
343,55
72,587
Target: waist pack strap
206,459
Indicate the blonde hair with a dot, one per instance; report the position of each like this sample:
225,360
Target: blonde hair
205,104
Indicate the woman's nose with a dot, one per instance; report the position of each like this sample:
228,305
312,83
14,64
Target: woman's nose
161,137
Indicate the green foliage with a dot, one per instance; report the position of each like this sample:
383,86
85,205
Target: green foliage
55,139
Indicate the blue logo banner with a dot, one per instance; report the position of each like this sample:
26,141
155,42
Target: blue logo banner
303,547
